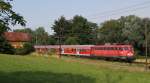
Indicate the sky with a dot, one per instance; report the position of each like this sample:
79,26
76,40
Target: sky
44,12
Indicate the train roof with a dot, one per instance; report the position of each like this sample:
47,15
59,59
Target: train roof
111,45
78,46
64,46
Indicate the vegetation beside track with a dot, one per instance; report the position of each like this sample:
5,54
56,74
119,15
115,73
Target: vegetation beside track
33,69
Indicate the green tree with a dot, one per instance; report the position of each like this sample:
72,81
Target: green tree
129,30
7,17
41,36
71,41
62,28
78,27
110,32
25,30
83,29
51,40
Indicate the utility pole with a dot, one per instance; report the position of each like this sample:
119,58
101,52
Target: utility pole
146,58
59,39
36,38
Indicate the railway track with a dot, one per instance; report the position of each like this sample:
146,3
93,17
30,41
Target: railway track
141,61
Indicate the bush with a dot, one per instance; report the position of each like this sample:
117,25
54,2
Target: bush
5,47
52,52
27,48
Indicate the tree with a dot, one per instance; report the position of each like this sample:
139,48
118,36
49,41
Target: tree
128,30
51,40
7,17
25,30
62,28
41,36
83,29
27,48
78,27
110,32
5,47
71,41
133,31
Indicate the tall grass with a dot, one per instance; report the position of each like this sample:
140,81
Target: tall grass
31,69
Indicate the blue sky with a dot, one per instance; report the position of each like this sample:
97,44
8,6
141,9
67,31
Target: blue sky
44,12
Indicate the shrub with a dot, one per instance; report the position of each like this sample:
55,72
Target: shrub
52,52
27,48
5,47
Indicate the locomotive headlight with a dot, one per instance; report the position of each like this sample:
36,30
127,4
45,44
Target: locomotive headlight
129,54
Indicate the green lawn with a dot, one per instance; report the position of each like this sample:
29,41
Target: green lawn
33,69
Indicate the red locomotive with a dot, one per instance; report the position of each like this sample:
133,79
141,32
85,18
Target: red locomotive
121,52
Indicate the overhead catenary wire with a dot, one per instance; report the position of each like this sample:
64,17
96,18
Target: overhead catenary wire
121,10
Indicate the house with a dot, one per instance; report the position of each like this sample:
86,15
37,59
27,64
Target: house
17,39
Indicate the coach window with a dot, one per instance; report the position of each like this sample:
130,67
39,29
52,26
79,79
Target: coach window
111,48
120,48
97,48
115,48
82,50
100,48
126,48
103,48
107,48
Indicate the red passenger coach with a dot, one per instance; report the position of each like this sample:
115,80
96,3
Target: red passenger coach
81,50
123,52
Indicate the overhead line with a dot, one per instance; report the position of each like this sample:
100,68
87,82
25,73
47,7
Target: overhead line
122,9
119,12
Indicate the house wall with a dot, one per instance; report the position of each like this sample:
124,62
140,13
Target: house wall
17,44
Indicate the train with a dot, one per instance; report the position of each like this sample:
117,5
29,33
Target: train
115,52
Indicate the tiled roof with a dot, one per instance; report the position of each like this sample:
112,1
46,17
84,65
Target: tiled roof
17,36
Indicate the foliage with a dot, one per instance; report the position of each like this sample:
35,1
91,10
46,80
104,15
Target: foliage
110,32
7,17
78,30
5,47
71,41
27,48
51,40
127,30
39,36
52,52
78,27
62,28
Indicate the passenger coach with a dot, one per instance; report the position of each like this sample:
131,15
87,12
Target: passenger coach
118,52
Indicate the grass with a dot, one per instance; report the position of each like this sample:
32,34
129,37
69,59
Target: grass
33,69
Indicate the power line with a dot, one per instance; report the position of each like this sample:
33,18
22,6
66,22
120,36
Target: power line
132,7
120,12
